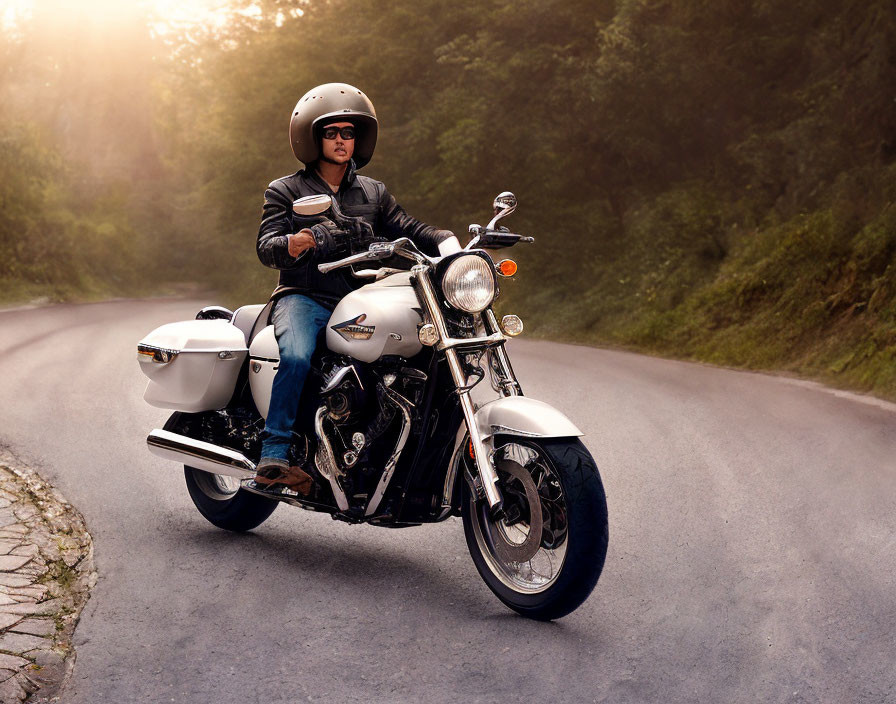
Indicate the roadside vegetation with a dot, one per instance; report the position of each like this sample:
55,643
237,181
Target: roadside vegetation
707,180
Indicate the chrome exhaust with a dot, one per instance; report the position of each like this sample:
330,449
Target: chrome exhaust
199,454
325,460
404,406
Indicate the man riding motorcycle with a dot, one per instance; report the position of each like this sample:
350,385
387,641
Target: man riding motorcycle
389,416
333,131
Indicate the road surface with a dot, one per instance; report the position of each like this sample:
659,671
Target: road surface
752,545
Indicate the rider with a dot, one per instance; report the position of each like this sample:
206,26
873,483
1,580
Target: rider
333,131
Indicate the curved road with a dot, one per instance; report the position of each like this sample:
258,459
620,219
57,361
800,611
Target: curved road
752,545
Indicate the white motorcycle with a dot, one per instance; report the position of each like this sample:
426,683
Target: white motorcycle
387,424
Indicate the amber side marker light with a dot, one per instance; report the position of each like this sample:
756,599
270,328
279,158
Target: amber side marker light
507,267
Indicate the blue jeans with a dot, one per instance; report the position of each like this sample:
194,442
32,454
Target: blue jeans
297,322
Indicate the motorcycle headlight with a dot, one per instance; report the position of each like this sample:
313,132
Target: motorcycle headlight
469,284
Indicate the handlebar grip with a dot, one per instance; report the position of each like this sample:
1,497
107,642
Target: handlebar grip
327,267
494,239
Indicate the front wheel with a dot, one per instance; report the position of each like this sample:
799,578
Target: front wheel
224,504
545,557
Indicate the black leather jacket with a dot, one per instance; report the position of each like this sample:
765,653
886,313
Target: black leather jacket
358,196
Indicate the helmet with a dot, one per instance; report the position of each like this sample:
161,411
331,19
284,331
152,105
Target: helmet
332,102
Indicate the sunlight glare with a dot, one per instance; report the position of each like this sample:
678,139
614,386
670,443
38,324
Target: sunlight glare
13,13
163,15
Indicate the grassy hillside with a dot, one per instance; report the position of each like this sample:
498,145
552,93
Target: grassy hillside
813,294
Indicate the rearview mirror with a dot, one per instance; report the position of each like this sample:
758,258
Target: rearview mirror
505,204
312,205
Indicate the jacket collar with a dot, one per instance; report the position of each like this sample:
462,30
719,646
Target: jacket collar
348,178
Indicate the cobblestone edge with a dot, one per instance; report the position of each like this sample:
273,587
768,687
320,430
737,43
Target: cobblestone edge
46,574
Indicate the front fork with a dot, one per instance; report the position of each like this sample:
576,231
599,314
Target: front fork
507,383
487,476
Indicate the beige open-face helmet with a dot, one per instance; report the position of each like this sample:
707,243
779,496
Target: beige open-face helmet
332,102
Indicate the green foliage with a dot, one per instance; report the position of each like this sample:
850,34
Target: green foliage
77,171
815,293
54,244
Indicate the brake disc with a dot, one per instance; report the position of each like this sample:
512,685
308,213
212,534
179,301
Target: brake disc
505,549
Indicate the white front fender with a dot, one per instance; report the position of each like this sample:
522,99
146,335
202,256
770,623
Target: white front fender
510,415
519,415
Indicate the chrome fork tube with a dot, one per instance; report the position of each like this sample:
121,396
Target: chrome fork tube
509,384
487,475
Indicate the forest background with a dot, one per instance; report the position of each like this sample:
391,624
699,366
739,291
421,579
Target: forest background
705,179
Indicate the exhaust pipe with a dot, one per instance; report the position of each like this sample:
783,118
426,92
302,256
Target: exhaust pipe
199,454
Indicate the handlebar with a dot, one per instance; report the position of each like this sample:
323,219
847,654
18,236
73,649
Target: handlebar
402,247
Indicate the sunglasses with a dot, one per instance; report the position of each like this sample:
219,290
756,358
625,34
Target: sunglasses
344,132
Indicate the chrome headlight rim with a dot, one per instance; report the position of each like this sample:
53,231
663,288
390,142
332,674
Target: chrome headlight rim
461,275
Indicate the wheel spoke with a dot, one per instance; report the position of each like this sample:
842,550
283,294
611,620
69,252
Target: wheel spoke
525,473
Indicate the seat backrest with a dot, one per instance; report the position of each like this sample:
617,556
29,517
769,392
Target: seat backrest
244,318
262,321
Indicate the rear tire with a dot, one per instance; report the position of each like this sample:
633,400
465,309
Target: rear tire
573,534
224,504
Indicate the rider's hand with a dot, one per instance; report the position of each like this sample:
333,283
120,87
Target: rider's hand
330,241
301,242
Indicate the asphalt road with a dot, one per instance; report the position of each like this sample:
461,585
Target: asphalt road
752,545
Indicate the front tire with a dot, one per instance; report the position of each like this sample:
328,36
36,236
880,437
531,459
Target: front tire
548,571
224,504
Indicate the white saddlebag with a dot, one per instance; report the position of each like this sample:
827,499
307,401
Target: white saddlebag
192,365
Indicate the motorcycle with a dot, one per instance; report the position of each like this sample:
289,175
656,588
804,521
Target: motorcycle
387,421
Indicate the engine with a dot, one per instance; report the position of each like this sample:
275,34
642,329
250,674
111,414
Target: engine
343,394
368,409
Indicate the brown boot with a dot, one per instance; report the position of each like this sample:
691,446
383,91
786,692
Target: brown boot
272,475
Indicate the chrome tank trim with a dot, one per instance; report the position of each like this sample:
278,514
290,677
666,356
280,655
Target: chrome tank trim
325,460
405,407
201,455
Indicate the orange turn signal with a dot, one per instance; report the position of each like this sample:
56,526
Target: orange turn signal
507,267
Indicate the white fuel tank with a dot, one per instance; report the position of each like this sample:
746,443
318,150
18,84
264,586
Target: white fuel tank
378,319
